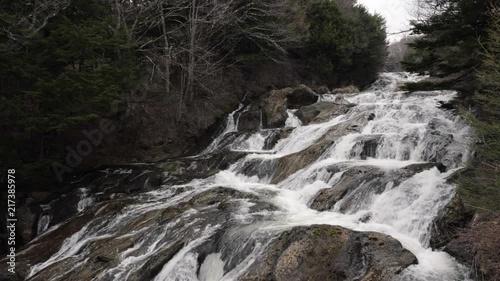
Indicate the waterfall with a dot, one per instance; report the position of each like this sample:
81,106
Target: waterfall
215,228
44,220
292,121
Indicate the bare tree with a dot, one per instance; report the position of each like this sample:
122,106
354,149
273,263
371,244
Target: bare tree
36,15
425,9
190,41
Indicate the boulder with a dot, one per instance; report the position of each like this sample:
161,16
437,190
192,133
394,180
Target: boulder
320,112
322,90
324,252
274,108
249,120
301,96
275,103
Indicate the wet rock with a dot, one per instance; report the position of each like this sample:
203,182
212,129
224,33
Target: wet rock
439,144
156,262
287,165
47,245
323,252
448,105
262,168
351,180
275,103
290,164
359,184
322,90
274,106
217,204
417,168
346,90
276,136
27,218
250,119
7,276
226,141
367,145
320,112
301,96
184,170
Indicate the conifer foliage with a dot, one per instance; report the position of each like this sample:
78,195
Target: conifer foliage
67,63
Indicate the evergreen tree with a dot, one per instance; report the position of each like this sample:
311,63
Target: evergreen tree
55,79
346,46
447,41
481,184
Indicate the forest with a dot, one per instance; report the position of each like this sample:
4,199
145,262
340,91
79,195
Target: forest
67,64
249,140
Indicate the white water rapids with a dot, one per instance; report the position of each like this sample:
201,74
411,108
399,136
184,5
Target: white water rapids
408,128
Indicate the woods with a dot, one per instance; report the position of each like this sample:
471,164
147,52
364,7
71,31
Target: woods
66,64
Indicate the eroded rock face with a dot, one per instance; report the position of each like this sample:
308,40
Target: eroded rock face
276,136
274,108
290,164
218,204
362,182
301,96
68,199
323,252
186,169
249,120
368,145
351,180
275,103
320,112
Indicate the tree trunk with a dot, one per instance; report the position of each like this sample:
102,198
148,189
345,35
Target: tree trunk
166,51
192,40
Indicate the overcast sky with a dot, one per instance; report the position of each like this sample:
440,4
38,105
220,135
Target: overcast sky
395,12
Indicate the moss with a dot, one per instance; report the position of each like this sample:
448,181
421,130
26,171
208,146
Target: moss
172,166
479,188
326,232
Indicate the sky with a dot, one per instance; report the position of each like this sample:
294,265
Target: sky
396,13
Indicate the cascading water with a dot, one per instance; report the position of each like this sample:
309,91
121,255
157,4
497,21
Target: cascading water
170,232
